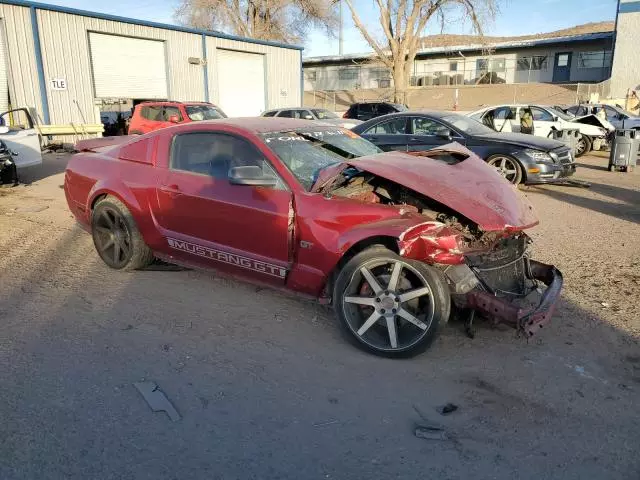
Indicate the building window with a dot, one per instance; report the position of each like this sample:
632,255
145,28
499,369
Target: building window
497,65
491,65
348,74
600,59
453,66
537,62
379,73
311,75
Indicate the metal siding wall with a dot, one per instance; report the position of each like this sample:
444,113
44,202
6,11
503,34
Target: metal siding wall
625,72
65,52
21,59
283,71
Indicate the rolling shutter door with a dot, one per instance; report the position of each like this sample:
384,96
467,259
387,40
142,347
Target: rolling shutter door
241,84
126,67
4,81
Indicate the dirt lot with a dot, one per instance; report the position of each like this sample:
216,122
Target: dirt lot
267,387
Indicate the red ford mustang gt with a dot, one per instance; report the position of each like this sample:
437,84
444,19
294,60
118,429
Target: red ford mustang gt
391,239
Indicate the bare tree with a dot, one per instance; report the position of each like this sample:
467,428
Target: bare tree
403,25
280,20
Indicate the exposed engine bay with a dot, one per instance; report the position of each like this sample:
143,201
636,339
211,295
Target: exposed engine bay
368,187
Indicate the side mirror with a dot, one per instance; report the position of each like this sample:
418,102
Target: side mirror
444,133
4,129
252,176
174,119
308,117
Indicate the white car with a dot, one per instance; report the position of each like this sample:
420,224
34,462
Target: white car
18,132
506,118
313,114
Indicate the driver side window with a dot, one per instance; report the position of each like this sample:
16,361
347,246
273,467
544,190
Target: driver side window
214,154
540,115
397,126
425,126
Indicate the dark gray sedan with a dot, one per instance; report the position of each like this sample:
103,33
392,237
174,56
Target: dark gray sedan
518,157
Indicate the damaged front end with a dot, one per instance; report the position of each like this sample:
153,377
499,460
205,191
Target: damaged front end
473,230
506,286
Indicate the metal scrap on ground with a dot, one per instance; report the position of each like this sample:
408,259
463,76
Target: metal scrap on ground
156,399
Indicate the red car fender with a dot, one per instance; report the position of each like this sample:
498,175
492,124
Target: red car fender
142,215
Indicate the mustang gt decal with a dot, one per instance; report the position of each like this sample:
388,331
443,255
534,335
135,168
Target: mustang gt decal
229,258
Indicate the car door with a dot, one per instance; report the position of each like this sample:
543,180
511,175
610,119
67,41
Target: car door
366,111
426,133
613,117
21,137
544,122
206,219
389,135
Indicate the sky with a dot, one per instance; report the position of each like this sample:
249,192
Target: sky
516,17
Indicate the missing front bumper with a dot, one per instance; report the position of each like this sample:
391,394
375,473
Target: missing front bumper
526,319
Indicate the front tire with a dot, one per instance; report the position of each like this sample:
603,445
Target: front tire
507,166
116,236
389,305
583,146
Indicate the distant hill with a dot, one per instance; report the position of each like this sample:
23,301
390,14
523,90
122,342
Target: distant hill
447,40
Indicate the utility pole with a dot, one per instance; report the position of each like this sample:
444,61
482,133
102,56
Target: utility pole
340,33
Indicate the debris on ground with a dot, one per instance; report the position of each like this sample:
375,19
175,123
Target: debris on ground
427,432
33,209
156,399
448,408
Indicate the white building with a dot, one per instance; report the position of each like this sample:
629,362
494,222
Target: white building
69,65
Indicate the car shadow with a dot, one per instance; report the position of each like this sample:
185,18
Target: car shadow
52,164
629,211
591,167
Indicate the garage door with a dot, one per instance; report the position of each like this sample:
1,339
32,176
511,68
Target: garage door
126,67
241,83
4,82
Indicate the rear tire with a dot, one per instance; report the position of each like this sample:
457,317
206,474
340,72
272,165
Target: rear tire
116,236
584,146
389,305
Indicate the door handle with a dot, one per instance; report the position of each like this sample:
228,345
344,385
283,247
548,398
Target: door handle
172,190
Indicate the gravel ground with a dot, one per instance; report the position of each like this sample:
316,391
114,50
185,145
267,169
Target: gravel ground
266,386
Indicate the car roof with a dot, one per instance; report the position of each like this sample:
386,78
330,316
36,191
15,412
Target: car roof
173,102
268,124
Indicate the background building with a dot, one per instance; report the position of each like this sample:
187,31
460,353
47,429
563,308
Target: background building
71,65
579,54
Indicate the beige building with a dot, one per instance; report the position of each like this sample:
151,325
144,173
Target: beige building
71,65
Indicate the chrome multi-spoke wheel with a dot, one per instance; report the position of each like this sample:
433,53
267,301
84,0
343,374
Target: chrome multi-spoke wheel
508,167
389,304
116,236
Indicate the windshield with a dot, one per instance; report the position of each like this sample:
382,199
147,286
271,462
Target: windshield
204,112
562,115
306,153
467,125
321,113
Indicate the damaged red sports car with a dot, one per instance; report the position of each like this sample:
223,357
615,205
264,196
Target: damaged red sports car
392,240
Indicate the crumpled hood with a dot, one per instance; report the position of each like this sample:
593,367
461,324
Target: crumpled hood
470,187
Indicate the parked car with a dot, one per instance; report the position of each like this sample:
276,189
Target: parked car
517,157
368,110
312,114
618,117
21,138
506,118
150,116
387,238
